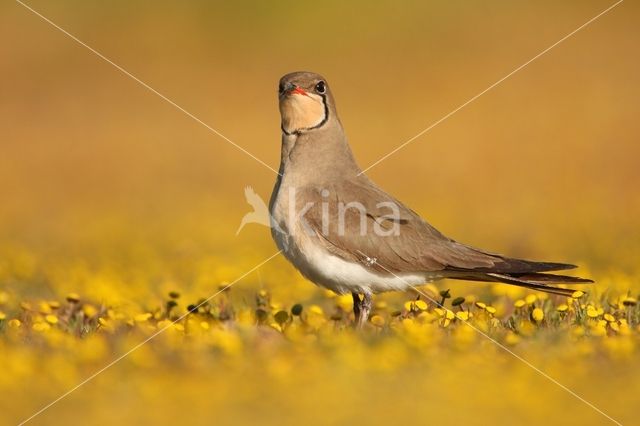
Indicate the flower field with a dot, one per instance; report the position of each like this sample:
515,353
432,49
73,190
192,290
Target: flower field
272,348
127,297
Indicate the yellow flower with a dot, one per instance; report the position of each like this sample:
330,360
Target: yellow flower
462,315
89,310
142,317
519,303
537,314
512,338
577,294
14,323
315,309
415,305
629,301
563,308
531,299
481,305
449,315
41,326
164,323
592,312
490,309
3,316
316,317
44,308
51,319
73,298
408,323
421,304
609,317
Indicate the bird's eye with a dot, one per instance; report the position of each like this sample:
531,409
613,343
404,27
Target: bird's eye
321,87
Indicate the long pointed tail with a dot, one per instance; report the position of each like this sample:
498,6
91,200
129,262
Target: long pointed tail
534,281
540,282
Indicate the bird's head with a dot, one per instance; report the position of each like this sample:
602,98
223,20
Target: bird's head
306,103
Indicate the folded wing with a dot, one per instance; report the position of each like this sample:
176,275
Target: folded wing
364,224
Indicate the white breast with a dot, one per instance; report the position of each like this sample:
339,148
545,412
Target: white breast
325,269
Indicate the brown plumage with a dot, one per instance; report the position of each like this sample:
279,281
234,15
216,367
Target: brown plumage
418,245
336,247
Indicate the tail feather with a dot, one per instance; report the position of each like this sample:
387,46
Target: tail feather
508,265
534,281
539,281
552,278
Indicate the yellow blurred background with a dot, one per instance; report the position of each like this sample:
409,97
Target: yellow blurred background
110,191
544,165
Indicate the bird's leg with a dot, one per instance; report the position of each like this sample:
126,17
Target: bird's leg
356,306
361,308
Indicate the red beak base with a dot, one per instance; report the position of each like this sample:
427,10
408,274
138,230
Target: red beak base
299,91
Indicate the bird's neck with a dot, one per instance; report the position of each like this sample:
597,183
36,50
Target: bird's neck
318,155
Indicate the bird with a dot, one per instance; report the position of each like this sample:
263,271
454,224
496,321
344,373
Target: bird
344,233
260,213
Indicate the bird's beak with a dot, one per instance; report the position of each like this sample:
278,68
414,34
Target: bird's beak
293,89
299,91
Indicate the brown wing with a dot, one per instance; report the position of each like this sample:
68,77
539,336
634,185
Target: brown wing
363,223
